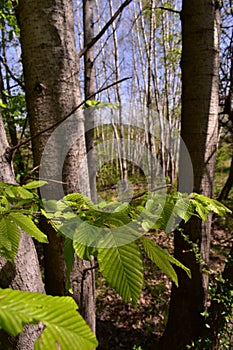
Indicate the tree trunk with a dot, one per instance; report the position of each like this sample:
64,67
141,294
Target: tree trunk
24,274
89,89
228,185
228,109
85,290
199,131
11,125
52,92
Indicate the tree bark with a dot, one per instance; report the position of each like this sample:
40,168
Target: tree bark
89,89
52,92
199,131
84,289
24,274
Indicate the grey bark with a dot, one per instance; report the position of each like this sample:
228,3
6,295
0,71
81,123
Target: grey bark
87,290
89,89
52,91
24,274
199,131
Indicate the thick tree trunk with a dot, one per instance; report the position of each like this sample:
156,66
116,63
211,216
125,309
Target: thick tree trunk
24,274
199,128
52,92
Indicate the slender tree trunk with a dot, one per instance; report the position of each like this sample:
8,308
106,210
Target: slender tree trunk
52,92
9,118
86,296
228,185
199,130
228,109
122,151
24,274
90,88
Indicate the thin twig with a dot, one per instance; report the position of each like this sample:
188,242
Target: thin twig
11,74
139,195
12,149
89,269
103,30
168,9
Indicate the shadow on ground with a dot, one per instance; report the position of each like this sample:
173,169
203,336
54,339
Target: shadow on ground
111,337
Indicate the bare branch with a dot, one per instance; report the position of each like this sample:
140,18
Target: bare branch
168,9
11,74
139,195
103,30
12,149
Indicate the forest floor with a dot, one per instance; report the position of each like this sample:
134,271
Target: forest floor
120,326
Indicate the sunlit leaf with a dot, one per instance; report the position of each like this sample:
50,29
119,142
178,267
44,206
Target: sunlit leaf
28,226
64,327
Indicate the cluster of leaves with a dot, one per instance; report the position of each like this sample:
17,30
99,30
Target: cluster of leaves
114,233
8,19
18,206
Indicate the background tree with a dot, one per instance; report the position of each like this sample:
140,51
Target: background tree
89,89
21,275
199,130
226,90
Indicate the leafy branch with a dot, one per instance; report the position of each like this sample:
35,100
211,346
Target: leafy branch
113,233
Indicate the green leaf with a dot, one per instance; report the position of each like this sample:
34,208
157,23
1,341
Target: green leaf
210,205
94,103
79,199
12,318
23,193
9,239
3,105
183,209
64,327
122,267
4,205
160,257
28,226
166,220
35,184
4,240
178,263
69,259
90,103
86,236
201,211
11,191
